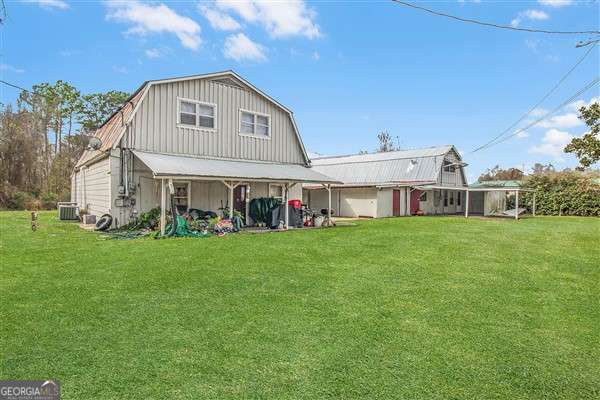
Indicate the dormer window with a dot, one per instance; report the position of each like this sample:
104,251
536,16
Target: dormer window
255,124
196,114
449,166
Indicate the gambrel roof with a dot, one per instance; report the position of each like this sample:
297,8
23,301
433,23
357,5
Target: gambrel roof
416,166
111,131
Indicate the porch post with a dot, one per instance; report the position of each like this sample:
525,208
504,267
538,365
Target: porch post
163,211
516,204
247,203
533,208
329,204
231,187
286,206
467,203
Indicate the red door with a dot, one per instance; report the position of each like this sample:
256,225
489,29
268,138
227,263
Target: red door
239,200
414,201
396,203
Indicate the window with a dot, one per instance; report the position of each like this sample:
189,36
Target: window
458,198
182,196
276,191
451,198
423,196
445,198
449,166
255,124
197,114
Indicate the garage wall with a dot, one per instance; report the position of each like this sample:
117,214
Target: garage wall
93,184
347,202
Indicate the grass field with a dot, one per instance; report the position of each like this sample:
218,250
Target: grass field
411,308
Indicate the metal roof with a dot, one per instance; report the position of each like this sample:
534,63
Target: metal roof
173,165
110,131
402,167
497,184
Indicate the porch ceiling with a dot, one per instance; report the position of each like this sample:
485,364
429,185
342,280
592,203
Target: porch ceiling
172,165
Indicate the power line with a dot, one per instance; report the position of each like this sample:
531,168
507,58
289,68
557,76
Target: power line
490,24
548,94
587,87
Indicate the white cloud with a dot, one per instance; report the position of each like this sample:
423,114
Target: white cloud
316,56
10,68
239,47
538,112
576,105
59,4
120,69
534,15
219,20
563,121
522,134
153,53
553,143
150,18
555,3
279,19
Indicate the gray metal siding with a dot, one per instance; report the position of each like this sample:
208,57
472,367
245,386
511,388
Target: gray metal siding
154,127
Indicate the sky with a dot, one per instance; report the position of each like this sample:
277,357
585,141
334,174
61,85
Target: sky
347,70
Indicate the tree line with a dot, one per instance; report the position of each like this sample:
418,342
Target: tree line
41,138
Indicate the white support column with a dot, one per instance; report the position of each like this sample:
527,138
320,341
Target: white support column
467,203
231,187
329,205
533,208
247,203
516,204
163,211
286,205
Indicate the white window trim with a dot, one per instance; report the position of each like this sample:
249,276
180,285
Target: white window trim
196,128
254,135
282,186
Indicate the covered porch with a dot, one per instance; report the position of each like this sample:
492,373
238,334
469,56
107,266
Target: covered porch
220,185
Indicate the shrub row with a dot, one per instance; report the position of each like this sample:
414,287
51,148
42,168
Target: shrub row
564,193
19,200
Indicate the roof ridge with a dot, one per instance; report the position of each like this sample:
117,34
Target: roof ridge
385,152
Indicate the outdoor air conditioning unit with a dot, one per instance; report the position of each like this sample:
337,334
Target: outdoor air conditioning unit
68,212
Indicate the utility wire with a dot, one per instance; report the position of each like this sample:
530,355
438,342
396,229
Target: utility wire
587,87
492,25
548,94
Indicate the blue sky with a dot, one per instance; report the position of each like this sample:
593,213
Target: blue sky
347,69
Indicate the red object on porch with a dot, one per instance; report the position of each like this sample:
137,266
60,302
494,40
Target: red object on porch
396,203
414,201
295,203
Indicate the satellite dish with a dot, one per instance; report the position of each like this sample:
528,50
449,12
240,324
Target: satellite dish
94,143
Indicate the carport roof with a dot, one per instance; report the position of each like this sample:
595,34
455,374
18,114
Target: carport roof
166,165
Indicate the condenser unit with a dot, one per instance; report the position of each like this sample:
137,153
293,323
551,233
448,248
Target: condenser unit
68,211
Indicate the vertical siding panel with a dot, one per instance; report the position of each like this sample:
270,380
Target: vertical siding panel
154,128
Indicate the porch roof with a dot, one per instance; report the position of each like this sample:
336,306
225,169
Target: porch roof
166,165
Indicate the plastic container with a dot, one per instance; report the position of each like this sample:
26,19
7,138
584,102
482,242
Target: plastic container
295,203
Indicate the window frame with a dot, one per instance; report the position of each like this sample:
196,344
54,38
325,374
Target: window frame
449,166
282,186
459,198
254,124
196,127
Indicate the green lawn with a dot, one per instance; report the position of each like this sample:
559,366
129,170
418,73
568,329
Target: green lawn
412,308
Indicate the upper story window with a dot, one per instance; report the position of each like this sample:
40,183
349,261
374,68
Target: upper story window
449,166
196,114
255,124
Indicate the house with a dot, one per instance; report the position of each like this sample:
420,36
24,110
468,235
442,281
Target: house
211,141
492,198
396,183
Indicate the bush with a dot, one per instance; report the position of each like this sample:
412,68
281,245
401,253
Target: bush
48,200
564,193
18,200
